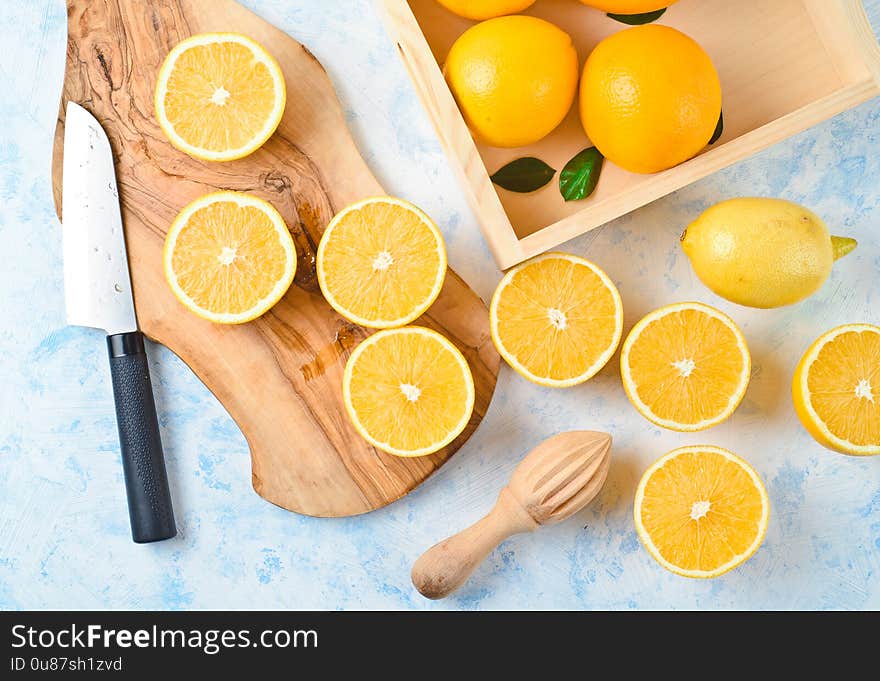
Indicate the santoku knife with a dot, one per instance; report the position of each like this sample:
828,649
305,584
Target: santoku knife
97,293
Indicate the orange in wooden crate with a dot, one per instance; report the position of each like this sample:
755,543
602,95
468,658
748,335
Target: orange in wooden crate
784,66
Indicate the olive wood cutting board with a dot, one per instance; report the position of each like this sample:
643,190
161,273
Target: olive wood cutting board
280,376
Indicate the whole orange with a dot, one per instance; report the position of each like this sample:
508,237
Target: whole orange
485,9
628,6
650,98
514,78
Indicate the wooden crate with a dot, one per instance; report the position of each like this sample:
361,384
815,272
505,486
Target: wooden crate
785,65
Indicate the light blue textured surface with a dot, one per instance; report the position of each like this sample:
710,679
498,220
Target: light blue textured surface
64,537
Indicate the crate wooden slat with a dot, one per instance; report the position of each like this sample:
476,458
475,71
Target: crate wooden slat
785,65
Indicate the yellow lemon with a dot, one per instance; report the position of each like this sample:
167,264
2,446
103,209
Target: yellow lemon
836,389
701,511
219,96
485,9
408,391
514,79
650,98
762,252
685,367
229,257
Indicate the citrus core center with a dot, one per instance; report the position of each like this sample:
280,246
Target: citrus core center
700,509
863,390
382,261
410,392
557,318
227,255
685,367
221,94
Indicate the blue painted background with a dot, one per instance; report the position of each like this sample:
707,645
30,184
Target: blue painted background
64,537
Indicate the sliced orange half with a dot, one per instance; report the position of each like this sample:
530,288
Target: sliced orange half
381,262
836,389
409,391
219,96
229,257
685,367
556,319
701,511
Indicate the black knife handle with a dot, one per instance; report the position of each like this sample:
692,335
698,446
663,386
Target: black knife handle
146,481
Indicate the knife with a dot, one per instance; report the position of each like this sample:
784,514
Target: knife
97,293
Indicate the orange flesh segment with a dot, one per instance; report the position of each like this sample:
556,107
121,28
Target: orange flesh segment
844,387
730,525
384,381
200,254
192,95
693,343
382,261
530,329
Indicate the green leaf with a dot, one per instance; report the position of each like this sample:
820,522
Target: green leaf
719,129
524,175
580,175
638,19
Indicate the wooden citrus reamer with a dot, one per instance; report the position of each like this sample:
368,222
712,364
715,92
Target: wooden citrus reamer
553,482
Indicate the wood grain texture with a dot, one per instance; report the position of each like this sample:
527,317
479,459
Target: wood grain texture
784,66
280,376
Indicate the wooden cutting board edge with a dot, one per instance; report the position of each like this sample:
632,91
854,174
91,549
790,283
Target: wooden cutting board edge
482,352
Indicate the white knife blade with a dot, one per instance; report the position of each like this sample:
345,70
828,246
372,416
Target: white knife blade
97,293
97,284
